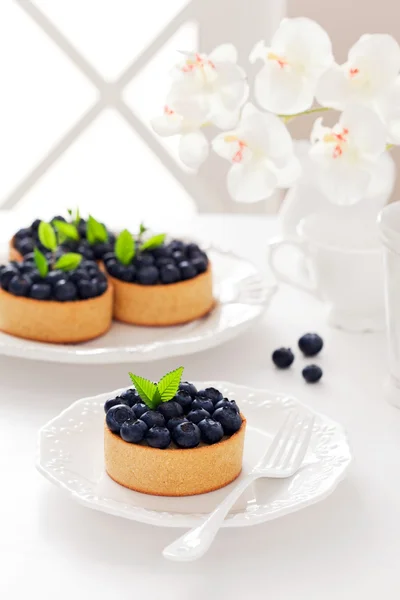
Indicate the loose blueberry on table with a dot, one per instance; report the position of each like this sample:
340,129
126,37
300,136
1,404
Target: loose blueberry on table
312,373
283,358
310,344
154,261
153,414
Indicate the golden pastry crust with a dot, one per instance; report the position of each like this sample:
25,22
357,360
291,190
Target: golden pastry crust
163,305
174,471
56,322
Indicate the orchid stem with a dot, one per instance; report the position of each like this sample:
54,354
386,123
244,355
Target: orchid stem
287,118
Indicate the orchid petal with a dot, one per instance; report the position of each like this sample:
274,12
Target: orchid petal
282,90
367,130
380,53
167,125
193,149
251,183
332,88
224,53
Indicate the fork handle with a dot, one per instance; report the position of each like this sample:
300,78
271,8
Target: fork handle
194,543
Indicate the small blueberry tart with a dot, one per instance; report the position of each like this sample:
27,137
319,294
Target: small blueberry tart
170,439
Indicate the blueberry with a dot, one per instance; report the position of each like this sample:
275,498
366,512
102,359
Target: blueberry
187,270
197,415
87,289
82,228
186,435
100,249
177,245
26,232
111,238
20,285
85,250
25,246
40,291
192,250
189,388
29,258
65,291
162,252
131,397
6,275
54,276
111,402
59,218
79,275
170,409
178,256
200,264
101,286
139,409
163,261
204,403
229,418
169,274
69,246
115,269
133,431
312,373
127,273
310,344
147,275
283,358
153,418
108,256
144,260
35,224
184,399
213,394
116,415
228,403
172,423
89,264
158,437
211,431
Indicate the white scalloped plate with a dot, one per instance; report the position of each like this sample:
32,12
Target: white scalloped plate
242,297
71,457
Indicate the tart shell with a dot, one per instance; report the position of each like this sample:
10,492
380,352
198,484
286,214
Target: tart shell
163,305
13,253
56,322
174,471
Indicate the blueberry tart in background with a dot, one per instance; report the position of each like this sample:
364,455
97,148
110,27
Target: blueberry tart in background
170,439
90,238
158,282
54,297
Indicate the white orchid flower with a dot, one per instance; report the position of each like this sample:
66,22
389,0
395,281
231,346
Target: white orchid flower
193,144
261,152
371,69
388,107
212,84
300,51
346,155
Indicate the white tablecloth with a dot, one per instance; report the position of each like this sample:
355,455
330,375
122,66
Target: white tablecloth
346,547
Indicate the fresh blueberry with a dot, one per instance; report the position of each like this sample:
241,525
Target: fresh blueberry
144,260
184,399
89,264
139,409
163,261
172,423
229,418
158,437
40,291
111,238
211,431
54,276
133,431
128,273
153,418
200,264
201,394
177,245
23,233
6,275
87,289
192,250
115,269
108,256
312,373
59,218
25,246
100,285
100,249
147,275
29,258
65,291
197,415
170,409
204,403
131,397
116,415
169,274
162,252
20,285
78,275
186,435
189,388
70,246
178,256
310,344
213,394
86,250
82,228
111,402
187,270
283,358
228,403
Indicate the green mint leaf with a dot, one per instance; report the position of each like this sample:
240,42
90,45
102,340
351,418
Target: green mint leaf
168,385
47,236
146,389
40,262
67,231
125,247
95,231
69,211
77,216
68,262
142,229
153,242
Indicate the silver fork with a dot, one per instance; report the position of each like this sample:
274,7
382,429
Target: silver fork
282,459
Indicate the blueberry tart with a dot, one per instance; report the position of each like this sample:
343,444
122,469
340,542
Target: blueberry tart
54,297
158,282
159,441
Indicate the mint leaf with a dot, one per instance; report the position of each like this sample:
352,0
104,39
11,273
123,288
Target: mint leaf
146,390
47,236
40,262
153,242
69,211
142,229
68,262
68,231
95,231
169,384
125,247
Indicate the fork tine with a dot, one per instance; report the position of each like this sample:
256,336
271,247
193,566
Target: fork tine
276,441
285,441
298,450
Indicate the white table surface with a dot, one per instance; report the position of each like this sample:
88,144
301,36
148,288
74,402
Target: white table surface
346,547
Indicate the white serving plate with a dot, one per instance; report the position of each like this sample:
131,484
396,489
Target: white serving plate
242,297
71,456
